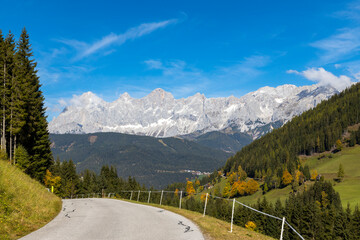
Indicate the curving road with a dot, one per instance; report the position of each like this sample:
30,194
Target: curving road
110,219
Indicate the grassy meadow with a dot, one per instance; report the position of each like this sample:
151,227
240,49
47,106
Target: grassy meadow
328,165
25,204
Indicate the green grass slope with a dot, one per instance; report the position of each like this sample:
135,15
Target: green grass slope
349,188
25,205
328,166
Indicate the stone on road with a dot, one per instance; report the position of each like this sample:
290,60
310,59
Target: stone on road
110,219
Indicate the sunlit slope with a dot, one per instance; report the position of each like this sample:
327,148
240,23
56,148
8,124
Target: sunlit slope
25,205
328,166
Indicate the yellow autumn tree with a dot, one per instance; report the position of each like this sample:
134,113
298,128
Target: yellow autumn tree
314,174
176,194
286,178
234,191
197,183
241,188
250,225
251,187
226,190
232,178
190,188
203,197
52,181
299,176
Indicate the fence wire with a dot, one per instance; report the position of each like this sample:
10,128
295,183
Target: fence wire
213,196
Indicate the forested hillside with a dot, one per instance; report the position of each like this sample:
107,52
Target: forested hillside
314,131
228,142
155,162
24,134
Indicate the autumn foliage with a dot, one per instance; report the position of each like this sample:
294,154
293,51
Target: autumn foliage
52,181
250,225
286,178
190,188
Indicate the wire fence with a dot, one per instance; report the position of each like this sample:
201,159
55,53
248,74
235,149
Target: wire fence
176,199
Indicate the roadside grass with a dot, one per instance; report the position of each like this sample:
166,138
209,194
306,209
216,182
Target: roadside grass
212,228
25,205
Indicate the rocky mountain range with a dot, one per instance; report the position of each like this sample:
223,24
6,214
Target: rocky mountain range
159,114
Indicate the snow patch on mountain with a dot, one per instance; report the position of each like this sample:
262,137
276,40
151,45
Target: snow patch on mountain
159,114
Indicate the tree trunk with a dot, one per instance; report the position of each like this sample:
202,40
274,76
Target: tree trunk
3,138
15,150
11,150
11,123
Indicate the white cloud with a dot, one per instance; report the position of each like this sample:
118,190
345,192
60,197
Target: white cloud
351,12
86,49
339,46
154,64
324,78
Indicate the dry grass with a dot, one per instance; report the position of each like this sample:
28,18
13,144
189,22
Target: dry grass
25,205
213,228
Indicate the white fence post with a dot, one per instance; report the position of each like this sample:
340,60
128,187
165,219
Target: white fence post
205,204
180,199
282,228
138,195
131,195
162,191
232,215
149,197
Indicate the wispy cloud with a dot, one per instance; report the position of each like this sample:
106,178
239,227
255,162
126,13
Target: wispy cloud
186,79
340,46
324,78
248,68
86,49
351,12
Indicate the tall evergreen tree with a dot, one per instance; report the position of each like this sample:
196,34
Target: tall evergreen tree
8,50
34,134
2,63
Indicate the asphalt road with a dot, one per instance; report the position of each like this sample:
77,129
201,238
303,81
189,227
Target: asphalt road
110,219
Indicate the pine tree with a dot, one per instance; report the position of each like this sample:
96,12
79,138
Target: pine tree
8,50
34,134
341,172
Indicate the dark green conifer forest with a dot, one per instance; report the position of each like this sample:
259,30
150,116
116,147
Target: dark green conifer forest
24,135
314,131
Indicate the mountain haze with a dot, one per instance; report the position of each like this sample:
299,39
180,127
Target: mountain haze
159,114
152,161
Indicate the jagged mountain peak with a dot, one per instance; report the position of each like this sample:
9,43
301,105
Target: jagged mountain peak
159,114
87,99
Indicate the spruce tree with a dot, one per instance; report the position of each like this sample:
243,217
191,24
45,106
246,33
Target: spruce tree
2,63
8,50
34,134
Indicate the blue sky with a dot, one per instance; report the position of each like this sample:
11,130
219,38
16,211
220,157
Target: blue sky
218,48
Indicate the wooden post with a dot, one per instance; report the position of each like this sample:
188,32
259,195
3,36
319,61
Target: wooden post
282,228
162,192
232,215
180,199
149,197
205,204
138,195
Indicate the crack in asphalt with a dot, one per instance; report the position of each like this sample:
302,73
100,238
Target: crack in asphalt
187,228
